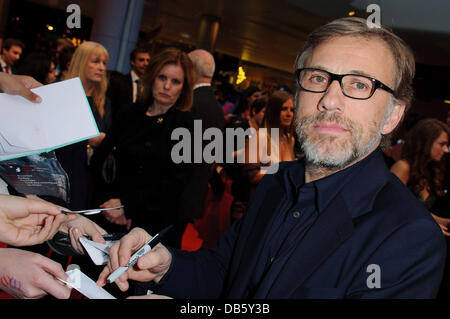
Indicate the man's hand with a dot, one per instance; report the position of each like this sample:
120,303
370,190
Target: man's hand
152,266
115,216
19,85
25,222
82,226
24,274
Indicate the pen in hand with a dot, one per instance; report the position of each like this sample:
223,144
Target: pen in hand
141,252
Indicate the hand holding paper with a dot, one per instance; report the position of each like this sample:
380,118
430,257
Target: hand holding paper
25,222
20,85
64,117
24,274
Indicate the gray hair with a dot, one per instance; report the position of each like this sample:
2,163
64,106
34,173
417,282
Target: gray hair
352,26
203,62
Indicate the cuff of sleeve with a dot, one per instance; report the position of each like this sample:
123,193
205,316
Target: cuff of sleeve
143,287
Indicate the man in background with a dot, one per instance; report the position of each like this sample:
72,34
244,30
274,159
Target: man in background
207,109
124,88
11,52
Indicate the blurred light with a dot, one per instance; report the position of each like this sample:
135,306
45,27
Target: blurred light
447,101
185,35
241,76
351,13
49,27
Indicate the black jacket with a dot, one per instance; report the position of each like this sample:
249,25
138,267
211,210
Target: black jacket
148,181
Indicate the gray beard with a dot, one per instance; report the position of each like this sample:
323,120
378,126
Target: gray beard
325,152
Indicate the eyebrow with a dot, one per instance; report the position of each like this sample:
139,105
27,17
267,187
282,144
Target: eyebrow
357,72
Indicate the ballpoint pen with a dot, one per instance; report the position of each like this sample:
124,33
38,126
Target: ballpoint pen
141,252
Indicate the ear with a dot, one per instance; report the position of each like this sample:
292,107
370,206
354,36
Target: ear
394,118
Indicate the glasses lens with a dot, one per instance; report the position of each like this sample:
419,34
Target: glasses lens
314,80
358,87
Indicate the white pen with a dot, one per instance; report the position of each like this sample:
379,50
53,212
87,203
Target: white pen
141,252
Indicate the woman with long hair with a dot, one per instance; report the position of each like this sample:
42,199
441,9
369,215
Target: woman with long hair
422,164
149,182
89,64
278,118
274,142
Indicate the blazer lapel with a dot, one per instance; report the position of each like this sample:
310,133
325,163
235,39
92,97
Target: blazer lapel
330,230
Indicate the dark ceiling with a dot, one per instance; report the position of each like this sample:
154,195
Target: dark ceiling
271,32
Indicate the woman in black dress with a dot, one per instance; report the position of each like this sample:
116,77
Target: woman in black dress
89,64
148,181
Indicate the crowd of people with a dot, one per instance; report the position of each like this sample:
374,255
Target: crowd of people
331,199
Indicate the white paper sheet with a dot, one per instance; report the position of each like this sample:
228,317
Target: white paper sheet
64,117
99,253
86,285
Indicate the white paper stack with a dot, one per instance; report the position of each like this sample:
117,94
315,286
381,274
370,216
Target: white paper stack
64,117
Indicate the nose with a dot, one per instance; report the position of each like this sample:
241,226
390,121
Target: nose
445,148
332,99
167,84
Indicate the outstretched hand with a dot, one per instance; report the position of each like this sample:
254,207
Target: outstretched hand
25,222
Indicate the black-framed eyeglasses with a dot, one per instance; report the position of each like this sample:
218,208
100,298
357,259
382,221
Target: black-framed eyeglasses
355,86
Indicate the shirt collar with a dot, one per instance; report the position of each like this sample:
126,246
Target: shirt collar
201,85
134,76
2,63
328,187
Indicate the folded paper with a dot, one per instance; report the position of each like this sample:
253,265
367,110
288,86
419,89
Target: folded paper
99,253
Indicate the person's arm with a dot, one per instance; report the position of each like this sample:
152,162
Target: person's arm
25,222
25,274
402,170
19,85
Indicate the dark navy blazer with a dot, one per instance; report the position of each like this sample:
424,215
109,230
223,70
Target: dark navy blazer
374,220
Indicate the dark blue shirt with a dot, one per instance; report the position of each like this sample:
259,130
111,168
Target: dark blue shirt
303,205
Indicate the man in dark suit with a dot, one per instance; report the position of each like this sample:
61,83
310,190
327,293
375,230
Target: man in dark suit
336,224
10,54
206,108
123,89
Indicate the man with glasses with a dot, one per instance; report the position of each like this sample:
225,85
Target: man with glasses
336,224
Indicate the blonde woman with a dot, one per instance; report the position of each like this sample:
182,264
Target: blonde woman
89,64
